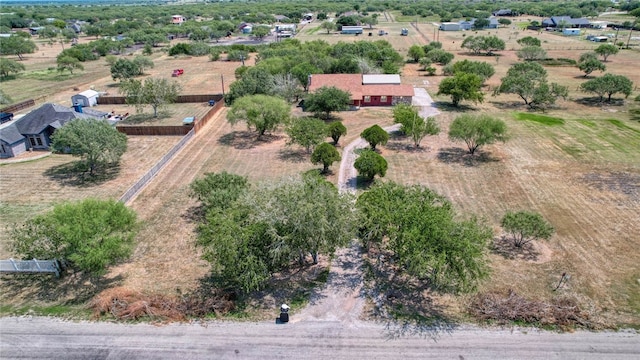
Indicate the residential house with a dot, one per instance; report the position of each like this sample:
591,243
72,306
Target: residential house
281,18
34,130
503,12
177,19
367,89
565,22
469,24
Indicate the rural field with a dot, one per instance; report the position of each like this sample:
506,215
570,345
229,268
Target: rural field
579,167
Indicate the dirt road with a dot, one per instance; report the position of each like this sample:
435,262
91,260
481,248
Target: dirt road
46,338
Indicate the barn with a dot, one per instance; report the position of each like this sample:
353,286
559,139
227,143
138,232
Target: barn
450,26
86,98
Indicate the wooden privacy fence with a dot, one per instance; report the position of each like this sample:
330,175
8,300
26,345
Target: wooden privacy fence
144,180
198,98
19,106
30,266
154,130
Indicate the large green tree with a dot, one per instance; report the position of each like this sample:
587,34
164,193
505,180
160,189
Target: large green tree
336,130
87,236
375,135
529,81
272,225
369,164
606,50
413,125
529,41
480,68
531,53
155,92
325,154
261,112
68,63
219,190
124,69
462,86
424,235
95,142
477,131
8,66
608,84
306,132
17,45
326,100
416,52
526,226
488,44
589,63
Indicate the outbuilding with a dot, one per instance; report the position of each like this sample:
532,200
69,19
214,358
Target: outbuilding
571,32
450,26
86,98
351,30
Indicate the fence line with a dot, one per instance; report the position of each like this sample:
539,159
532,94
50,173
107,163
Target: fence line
30,266
196,98
165,130
19,106
144,180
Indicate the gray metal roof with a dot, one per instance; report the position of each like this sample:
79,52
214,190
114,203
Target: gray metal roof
10,134
46,115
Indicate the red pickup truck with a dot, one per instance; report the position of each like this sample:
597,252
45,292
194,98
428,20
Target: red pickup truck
177,72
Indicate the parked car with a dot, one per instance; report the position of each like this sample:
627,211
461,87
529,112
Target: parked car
177,72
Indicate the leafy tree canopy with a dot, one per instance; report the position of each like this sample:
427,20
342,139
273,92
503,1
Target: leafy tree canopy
462,86
261,112
370,163
375,135
306,132
325,154
526,226
477,131
88,235
327,100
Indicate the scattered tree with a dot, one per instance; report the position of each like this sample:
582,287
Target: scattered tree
336,130
8,66
261,112
477,131
87,236
413,125
306,132
261,31
440,56
480,24
589,63
143,62
529,81
462,86
504,22
156,92
124,69
328,25
606,50
68,63
375,135
529,41
369,164
325,154
489,44
326,100
526,226
608,84
530,53
480,68
416,52
95,142
17,45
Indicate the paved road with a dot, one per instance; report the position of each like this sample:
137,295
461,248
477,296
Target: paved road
45,338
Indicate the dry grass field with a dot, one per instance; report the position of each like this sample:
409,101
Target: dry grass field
582,175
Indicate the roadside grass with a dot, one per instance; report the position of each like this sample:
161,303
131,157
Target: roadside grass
77,312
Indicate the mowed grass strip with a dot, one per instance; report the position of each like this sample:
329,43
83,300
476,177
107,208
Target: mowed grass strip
540,119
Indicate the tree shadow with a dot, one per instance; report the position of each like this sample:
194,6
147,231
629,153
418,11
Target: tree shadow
635,114
242,140
504,247
448,107
594,101
508,105
404,304
70,289
362,183
75,174
405,146
293,155
453,155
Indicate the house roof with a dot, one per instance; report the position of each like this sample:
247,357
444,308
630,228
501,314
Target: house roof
89,93
9,133
353,83
47,115
556,20
502,12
